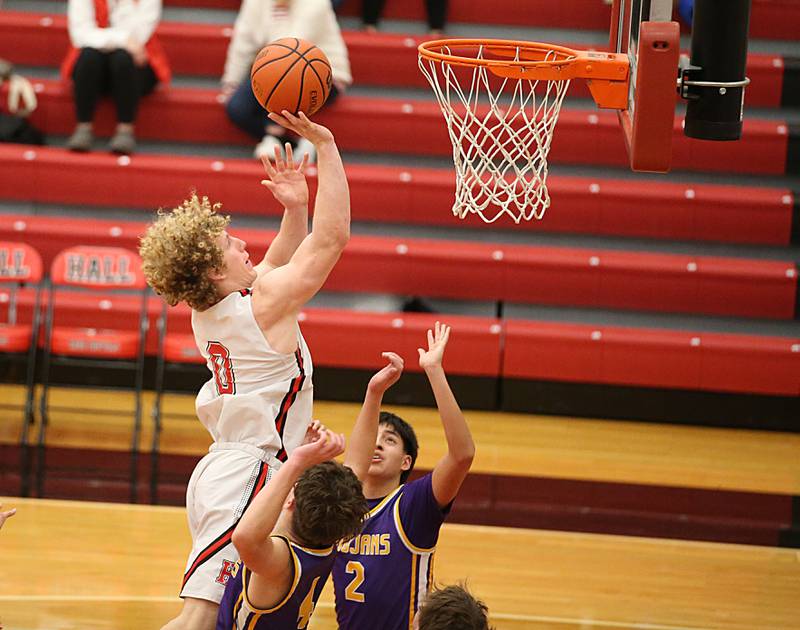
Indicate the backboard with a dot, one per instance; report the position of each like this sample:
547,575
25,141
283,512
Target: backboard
501,98
645,32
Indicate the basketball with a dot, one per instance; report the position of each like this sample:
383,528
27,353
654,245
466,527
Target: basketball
291,74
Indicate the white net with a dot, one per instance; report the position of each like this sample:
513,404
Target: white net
501,129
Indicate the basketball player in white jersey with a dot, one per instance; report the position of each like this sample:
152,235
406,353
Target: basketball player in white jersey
257,405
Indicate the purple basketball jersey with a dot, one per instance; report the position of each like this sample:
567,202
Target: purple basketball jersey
311,569
381,576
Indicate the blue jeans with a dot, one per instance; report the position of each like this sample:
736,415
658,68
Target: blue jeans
686,10
246,113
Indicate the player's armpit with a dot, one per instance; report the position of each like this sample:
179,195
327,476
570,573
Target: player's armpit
286,289
269,558
447,477
269,585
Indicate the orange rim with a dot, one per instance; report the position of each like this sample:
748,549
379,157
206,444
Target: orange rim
534,53
607,73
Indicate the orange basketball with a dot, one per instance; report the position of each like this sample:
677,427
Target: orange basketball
291,74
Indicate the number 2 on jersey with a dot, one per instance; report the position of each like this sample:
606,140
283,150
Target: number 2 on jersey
222,367
351,592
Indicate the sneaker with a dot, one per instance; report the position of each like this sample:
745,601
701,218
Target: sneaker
306,146
123,142
266,148
81,139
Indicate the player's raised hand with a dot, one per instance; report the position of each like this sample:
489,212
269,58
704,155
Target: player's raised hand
301,125
437,341
387,376
286,180
327,445
4,516
315,427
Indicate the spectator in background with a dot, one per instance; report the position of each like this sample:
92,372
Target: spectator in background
20,104
259,23
686,10
372,10
114,50
21,96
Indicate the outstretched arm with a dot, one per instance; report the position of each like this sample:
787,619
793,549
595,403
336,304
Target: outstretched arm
4,516
365,431
452,469
287,183
261,553
292,285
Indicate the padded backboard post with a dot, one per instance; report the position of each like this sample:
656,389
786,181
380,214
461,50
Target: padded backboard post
645,32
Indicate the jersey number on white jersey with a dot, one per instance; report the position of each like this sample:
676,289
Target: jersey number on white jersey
224,377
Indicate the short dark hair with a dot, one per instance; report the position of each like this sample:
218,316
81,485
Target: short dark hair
453,608
406,433
329,505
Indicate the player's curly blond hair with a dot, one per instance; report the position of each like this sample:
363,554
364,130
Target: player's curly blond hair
179,250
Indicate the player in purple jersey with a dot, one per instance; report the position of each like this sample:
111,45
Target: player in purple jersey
382,575
286,538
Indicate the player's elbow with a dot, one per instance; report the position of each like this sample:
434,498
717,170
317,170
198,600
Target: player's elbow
340,236
331,242
465,457
244,542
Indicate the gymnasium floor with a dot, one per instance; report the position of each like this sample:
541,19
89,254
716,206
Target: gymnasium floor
566,448
74,564
109,566
100,565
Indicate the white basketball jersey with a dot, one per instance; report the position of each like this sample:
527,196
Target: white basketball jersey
255,395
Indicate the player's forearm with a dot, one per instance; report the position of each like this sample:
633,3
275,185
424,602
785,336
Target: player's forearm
258,521
294,228
361,445
331,225
460,445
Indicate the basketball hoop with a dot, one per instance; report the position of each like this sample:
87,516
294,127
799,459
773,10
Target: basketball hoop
501,101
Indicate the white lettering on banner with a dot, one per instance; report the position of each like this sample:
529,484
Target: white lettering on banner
12,264
93,346
94,269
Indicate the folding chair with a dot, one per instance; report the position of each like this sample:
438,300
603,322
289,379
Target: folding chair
177,356
20,280
96,319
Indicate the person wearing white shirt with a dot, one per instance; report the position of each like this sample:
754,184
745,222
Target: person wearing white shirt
260,22
114,51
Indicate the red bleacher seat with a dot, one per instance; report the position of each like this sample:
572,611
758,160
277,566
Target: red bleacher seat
21,272
181,348
85,328
652,358
536,350
93,342
774,19
14,338
20,266
353,340
737,214
467,270
582,137
384,59
97,269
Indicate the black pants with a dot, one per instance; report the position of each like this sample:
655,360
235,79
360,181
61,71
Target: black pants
437,12
97,73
